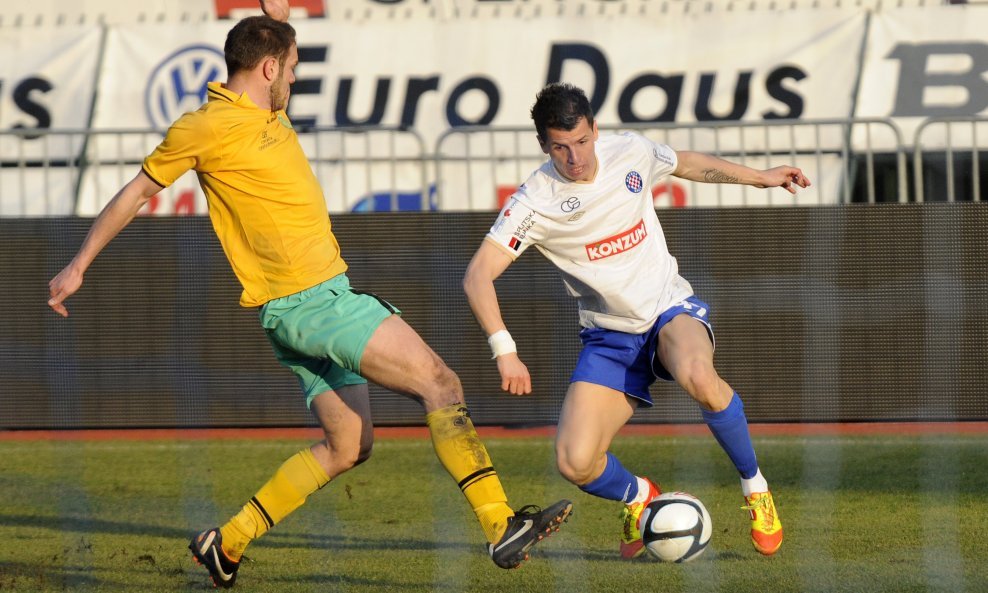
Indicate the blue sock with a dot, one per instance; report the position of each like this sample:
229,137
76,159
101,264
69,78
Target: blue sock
616,483
730,428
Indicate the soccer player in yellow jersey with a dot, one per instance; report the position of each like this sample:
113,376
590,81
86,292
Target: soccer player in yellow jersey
268,210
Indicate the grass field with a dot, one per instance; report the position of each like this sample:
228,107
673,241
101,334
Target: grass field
862,514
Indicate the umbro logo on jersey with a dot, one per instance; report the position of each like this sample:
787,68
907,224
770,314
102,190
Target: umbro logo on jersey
619,243
633,181
576,216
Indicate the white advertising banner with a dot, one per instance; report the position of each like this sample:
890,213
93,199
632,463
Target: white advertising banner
47,77
431,75
37,191
435,75
152,74
923,63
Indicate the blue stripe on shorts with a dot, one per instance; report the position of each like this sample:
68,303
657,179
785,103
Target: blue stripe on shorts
627,362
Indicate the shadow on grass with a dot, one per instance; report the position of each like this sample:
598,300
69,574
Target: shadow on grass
62,523
45,576
345,580
554,548
285,540
163,569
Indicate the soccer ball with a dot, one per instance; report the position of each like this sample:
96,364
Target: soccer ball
675,527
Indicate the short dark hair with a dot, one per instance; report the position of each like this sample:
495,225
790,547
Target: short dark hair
255,38
560,106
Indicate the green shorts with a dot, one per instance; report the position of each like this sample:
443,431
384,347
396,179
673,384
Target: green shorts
321,332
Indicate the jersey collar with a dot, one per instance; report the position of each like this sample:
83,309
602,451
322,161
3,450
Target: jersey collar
217,92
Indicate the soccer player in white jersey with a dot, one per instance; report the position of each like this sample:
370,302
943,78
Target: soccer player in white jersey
589,210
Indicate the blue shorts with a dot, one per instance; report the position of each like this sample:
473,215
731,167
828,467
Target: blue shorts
628,362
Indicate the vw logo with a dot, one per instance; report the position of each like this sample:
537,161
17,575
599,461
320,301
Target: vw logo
570,204
178,84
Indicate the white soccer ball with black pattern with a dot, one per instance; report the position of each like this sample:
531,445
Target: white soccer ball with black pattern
675,527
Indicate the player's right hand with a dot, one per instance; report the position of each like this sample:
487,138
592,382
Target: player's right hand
61,287
276,9
786,177
514,374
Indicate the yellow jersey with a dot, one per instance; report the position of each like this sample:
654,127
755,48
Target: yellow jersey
265,203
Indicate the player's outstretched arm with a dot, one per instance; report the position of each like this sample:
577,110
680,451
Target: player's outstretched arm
276,9
698,166
488,263
115,216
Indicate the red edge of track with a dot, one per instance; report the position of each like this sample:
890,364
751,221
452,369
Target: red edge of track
401,432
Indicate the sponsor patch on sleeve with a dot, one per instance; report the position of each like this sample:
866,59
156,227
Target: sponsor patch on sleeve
513,225
664,154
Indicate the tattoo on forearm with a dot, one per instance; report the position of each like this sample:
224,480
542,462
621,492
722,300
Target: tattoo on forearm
716,176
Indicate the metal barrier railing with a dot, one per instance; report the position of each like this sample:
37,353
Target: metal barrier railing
66,172
39,171
483,159
385,162
968,128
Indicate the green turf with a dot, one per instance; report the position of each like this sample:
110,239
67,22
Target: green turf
896,514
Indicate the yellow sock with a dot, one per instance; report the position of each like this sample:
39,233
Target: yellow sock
465,458
295,480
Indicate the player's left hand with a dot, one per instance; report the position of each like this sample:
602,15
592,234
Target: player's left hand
785,177
61,287
276,9
515,378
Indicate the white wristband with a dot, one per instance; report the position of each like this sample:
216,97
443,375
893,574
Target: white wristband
501,343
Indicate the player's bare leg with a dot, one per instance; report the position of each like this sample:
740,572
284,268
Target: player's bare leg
398,359
590,418
345,418
344,415
685,350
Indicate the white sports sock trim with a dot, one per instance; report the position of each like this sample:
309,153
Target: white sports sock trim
642,491
755,483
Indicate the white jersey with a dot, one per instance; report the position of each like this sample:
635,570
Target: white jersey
603,236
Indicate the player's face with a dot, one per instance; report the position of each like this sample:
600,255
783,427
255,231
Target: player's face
281,86
572,152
